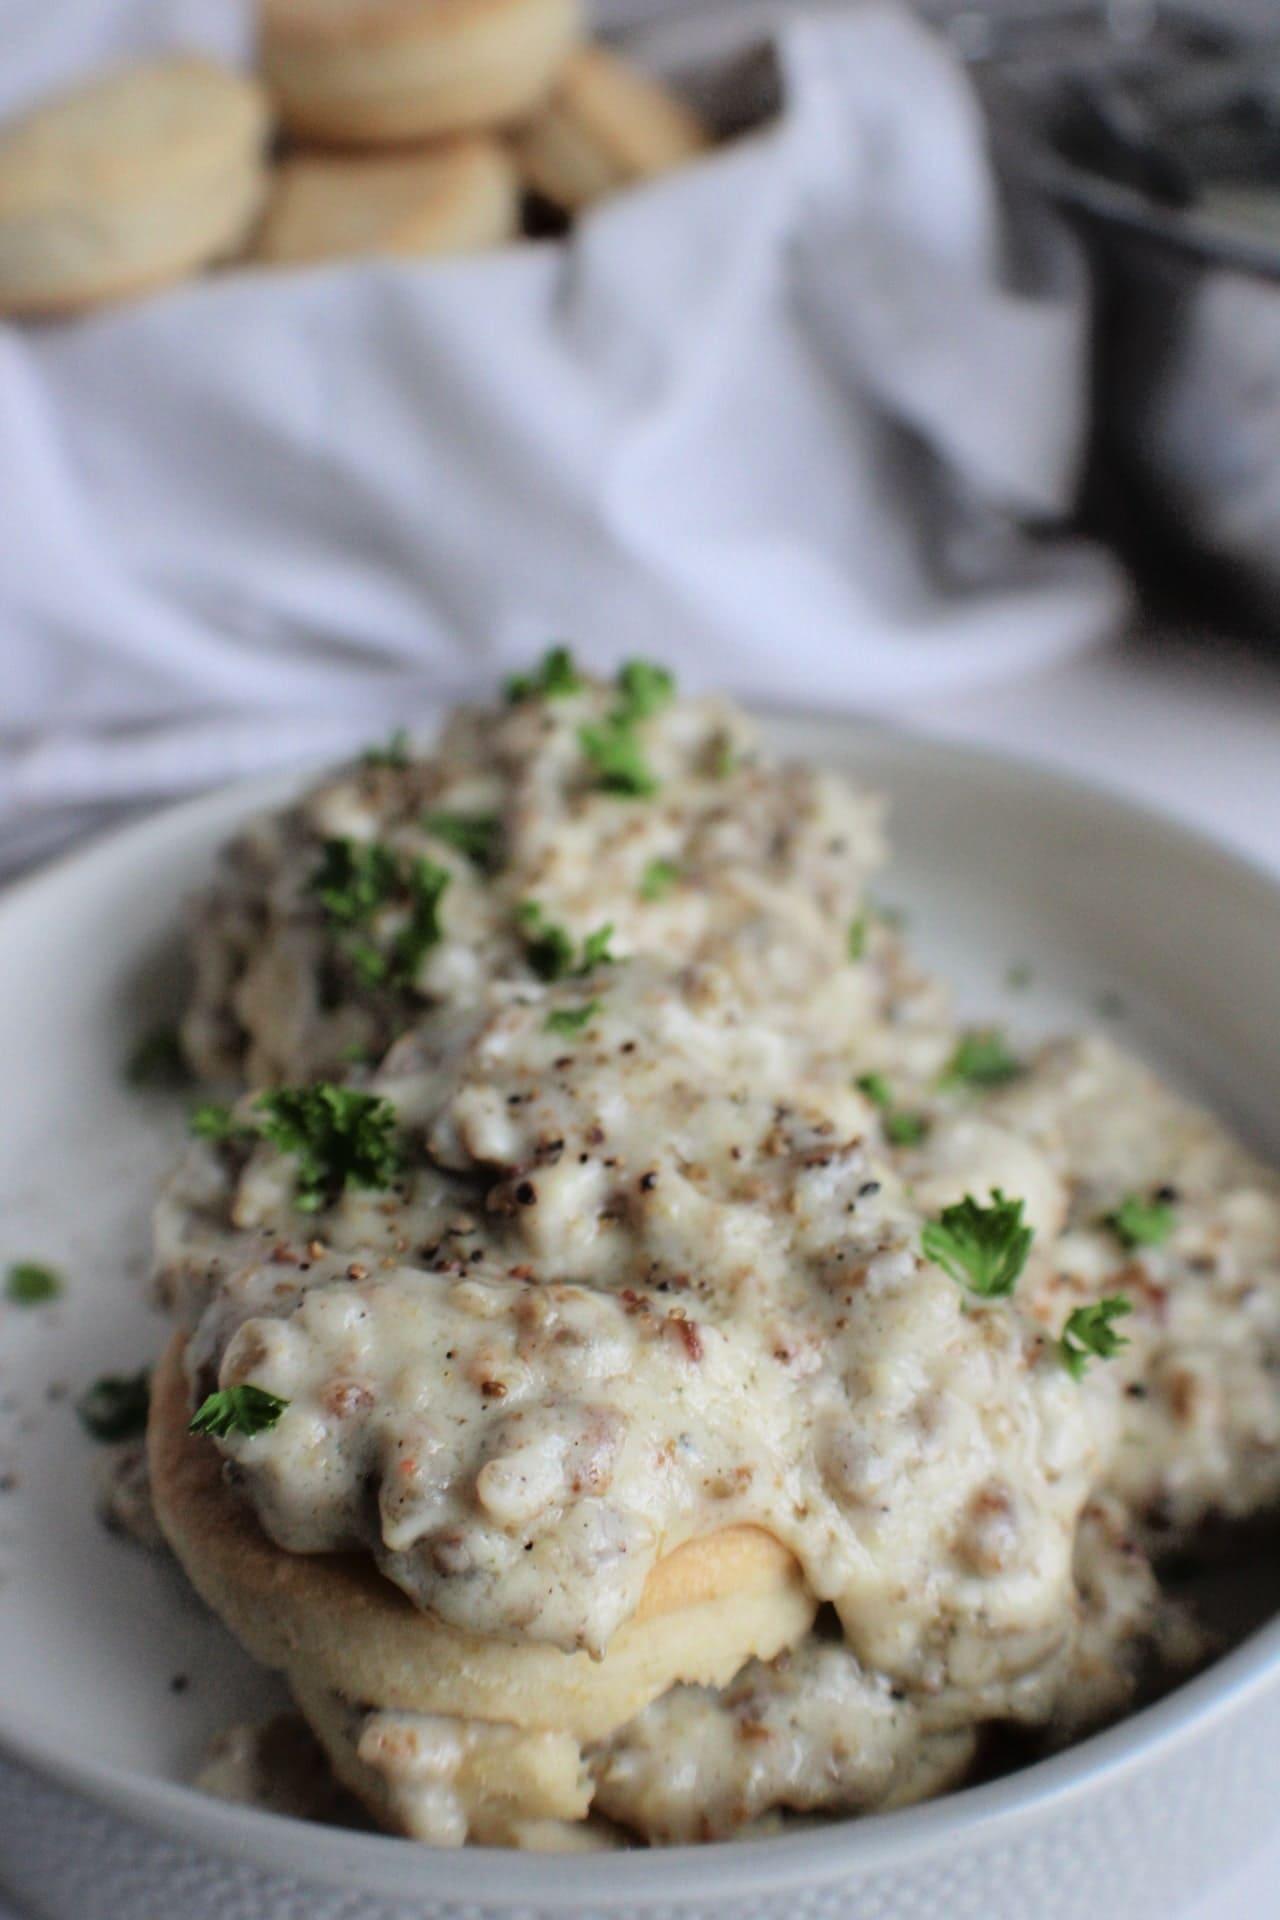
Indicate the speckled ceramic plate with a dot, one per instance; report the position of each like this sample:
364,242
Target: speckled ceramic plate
112,1678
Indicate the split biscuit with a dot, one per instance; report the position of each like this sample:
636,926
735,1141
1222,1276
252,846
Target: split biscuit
377,72
605,126
455,197
333,1621
447,1781
128,183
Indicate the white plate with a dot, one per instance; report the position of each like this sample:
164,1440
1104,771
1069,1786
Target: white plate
998,865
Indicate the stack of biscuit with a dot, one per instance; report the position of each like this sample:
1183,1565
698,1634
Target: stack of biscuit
408,127
344,1637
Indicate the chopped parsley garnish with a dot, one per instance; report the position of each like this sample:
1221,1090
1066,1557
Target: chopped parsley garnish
612,745
983,1248
247,1410
1090,1334
571,1019
618,758
645,690
549,947
658,879
428,884
1141,1223
595,950
474,834
982,1059
28,1284
158,1060
723,758
901,1128
553,678
211,1121
394,754
115,1407
355,880
857,937
339,1137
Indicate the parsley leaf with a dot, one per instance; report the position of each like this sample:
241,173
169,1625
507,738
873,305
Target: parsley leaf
983,1248
618,759
723,758
982,1059
474,834
901,1128
370,966
28,1284
354,879
904,1129
645,690
549,948
158,1060
595,950
339,1137
857,937
394,754
1141,1223
553,678
428,884
571,1019
115,1407
211,1121
658,879
1089,1333
247,1410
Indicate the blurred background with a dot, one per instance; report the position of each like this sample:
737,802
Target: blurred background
923,360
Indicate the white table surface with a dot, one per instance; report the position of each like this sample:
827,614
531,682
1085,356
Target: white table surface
1192,727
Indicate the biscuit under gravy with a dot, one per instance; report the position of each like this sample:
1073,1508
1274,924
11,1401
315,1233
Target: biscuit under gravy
378,72
446,1781
453,197
127,183
332,1621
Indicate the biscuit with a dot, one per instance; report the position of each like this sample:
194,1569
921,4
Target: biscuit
454,197
494,1785
605,126
333,1621
128,183
373,72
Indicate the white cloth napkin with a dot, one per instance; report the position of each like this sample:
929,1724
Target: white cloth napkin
798,419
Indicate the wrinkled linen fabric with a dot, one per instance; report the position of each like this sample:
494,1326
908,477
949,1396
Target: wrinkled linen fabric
801,419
